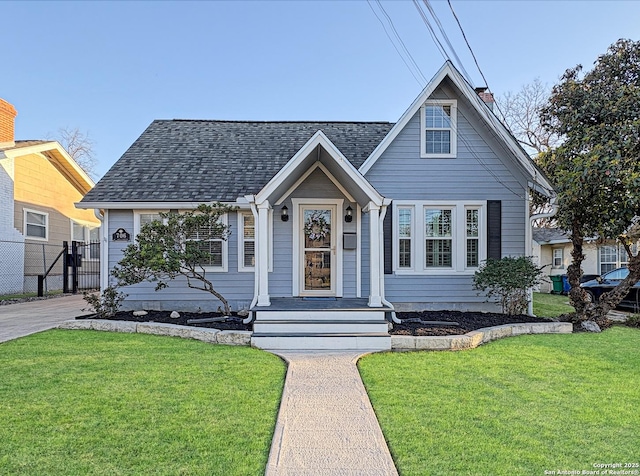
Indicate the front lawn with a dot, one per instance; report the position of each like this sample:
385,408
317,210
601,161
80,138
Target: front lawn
85,402
516,406
551,305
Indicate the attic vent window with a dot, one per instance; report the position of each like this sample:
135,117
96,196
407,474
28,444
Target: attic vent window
438,138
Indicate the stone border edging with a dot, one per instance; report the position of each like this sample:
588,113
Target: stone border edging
473,339
205,334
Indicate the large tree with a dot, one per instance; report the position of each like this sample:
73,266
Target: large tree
596,169
180,244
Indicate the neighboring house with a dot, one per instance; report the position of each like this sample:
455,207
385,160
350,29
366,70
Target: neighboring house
39,184
386,215
552,249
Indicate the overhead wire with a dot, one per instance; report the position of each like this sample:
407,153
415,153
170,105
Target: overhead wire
446,38
413,73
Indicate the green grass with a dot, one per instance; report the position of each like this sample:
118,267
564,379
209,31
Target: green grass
85,402
551,305
516,406
6,297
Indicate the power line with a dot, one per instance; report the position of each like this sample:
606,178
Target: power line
446,38
432,32
420,82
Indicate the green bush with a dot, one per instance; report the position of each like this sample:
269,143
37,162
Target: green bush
508,279
106,304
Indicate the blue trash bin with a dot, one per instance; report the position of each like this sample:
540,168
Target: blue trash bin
566,287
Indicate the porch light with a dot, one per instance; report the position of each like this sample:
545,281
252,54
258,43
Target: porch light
284,213
349,216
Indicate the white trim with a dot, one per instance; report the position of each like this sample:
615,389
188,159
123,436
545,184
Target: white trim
24,224
319,138
453,144
358,251
458,239
263,254
447,70
303,177
104,251
336,237
375,266
136,219
241,240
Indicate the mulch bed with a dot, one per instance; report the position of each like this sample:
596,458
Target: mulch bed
426,323
434,323
233,322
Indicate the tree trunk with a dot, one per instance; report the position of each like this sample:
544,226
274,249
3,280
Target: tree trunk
577,295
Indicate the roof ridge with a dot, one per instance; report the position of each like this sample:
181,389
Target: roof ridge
271,122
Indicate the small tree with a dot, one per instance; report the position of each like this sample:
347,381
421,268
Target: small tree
596,168
107,303
176,245
508,278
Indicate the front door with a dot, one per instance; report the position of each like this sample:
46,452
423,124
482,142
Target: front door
318,250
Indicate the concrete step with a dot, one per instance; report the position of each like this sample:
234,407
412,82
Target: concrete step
320,326
362,342
317,315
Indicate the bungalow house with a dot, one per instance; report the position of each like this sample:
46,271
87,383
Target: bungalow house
39,185
338,222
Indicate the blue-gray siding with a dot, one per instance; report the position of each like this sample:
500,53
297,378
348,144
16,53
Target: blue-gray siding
483,170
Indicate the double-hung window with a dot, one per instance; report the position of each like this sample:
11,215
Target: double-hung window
557,258
36,225
246,241
433,238
612,257
438,233
438,119
213,245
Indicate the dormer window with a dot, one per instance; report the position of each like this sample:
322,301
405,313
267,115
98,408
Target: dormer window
438,119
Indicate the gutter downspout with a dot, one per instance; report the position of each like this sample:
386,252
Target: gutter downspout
256,272
383,213
104,247
529,238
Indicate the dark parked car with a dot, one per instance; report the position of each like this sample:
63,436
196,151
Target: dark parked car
602,284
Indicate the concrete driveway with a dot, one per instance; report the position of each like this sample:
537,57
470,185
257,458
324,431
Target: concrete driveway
19,320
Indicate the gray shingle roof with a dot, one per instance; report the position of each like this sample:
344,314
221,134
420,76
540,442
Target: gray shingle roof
199,160
549,235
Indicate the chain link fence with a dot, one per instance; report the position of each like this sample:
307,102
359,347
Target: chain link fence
43,268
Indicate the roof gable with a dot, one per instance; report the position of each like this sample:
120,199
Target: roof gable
537,178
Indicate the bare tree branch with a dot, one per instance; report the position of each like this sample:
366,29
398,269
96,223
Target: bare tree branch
80,147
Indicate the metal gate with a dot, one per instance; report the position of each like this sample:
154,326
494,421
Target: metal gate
84,262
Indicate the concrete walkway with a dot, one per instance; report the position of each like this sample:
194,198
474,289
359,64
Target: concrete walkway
19,320
326,424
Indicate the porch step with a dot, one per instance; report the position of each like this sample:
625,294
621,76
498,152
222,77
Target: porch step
363,342
324,326
320,315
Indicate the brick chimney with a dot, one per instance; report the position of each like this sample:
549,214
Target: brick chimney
8,115
487,97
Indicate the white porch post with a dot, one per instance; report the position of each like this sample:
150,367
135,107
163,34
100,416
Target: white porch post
375,298
263,254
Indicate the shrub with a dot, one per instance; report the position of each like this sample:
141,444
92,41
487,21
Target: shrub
508,279
106,304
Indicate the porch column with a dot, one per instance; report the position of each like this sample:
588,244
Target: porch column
263,254
375,298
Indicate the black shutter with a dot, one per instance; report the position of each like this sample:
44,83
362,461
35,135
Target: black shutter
388,241
494,229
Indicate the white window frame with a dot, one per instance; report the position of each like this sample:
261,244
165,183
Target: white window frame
459,236
241,240
225,243
618,263
46,225
554,257
86,232
411,238
251,269
136,218
454,129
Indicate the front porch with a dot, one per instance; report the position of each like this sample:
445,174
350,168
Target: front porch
321,324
